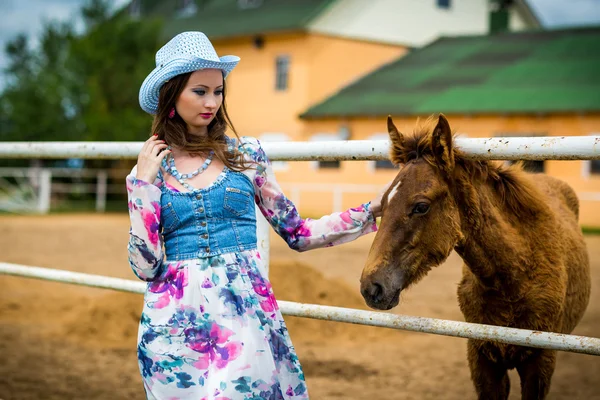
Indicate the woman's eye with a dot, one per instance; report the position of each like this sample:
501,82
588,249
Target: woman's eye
219,92
420,208
200,92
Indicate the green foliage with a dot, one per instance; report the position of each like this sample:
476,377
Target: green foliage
80,86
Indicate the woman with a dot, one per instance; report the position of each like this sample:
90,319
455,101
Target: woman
210,327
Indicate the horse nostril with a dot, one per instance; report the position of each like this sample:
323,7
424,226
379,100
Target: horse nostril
375,292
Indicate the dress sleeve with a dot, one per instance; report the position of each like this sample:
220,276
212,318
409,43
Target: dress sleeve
301,234
145,246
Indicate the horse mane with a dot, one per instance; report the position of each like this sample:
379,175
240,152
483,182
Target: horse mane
510,182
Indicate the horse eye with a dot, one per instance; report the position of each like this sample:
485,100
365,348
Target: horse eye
420,208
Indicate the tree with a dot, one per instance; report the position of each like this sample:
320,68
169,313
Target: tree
112,60
35,100
80,87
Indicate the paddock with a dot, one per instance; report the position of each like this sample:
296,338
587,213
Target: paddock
86,327
61,341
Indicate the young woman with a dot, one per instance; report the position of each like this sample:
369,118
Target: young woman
211,327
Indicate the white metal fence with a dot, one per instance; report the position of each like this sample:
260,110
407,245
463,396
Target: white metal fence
555,148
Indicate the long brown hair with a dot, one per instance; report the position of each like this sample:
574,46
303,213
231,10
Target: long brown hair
175,133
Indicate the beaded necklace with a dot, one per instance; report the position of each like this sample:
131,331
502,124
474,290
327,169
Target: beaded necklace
169,166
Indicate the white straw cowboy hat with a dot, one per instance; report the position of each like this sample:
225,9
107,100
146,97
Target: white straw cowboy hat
186,52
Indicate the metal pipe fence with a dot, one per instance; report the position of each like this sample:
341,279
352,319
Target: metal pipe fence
521,337
534,148
507,148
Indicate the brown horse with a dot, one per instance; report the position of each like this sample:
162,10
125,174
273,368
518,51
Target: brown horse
525,259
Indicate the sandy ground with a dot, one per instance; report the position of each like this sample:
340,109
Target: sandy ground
60,341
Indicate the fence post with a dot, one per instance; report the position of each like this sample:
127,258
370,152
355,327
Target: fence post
296,196
44,190
101,180
337,198
263,229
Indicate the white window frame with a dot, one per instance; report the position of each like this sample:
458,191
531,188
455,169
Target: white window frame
276,137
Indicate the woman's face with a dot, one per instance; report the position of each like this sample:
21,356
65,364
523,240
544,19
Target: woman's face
200,100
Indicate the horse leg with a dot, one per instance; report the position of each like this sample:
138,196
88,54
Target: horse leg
536,374
490,378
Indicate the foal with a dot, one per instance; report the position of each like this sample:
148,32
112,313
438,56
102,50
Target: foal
525,259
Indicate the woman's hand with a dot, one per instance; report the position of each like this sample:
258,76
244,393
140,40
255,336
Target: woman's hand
376,202
150,158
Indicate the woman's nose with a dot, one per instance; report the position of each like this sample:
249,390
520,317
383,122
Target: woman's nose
210,102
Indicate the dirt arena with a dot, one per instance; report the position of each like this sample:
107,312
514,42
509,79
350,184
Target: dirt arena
60,341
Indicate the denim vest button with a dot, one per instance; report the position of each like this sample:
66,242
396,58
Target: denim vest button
207,250
199,196
201,209
203,223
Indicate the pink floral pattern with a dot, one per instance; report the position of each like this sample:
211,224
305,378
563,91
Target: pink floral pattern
214,346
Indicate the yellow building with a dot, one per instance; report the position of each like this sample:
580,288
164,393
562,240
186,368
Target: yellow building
539,83
334,69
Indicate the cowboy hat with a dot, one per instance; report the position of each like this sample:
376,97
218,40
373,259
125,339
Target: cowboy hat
186,52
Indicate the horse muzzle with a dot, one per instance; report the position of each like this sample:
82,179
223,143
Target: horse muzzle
382,294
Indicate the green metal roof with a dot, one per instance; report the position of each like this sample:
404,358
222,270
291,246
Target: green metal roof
226,18
527,72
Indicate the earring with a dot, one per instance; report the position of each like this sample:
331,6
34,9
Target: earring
172,113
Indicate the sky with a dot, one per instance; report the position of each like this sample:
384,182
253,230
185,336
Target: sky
28,16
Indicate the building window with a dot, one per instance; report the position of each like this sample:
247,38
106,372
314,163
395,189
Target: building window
384,164
135,9
380,165
326,137
282,67
534,165
329,164
186,8
276,137
445,4
528,165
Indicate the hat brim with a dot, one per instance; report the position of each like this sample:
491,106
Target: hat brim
148,96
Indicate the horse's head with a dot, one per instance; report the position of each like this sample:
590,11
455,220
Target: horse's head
420,224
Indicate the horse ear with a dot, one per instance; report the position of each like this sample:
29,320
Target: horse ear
397,141
441,145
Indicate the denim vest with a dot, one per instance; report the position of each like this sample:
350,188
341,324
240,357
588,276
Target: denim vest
220,218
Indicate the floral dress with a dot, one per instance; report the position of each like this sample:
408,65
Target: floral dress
210,327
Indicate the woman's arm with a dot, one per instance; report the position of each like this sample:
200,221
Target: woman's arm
145,246
143,193
302,234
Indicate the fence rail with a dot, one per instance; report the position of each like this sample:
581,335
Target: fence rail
521,337
506,148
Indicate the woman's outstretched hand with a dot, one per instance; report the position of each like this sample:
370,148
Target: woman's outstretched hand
376,202
150,158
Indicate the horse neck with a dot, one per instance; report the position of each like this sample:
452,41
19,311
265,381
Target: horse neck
495,245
